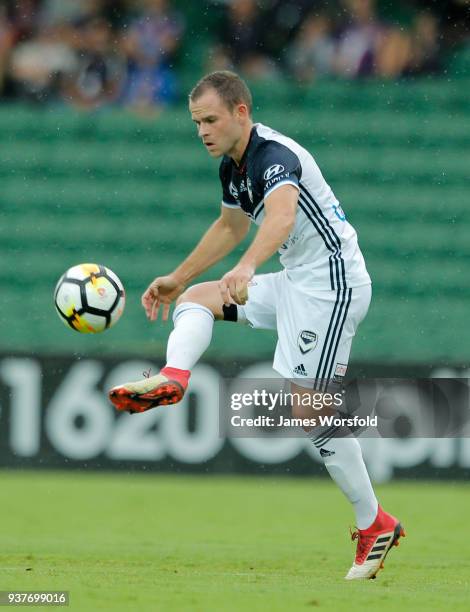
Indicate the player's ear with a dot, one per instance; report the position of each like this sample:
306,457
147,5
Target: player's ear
242,111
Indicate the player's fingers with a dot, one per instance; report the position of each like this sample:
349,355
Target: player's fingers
224,292
146,306
166,311
233,291
154,309
145,298
149,296
242,292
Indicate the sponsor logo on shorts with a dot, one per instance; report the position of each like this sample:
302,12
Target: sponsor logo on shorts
307,341
300,370
340,372
273,171
341,369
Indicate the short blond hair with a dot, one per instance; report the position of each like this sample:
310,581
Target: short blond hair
229,86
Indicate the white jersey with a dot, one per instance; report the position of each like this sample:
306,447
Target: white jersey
322,241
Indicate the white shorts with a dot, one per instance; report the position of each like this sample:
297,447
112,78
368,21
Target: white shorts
315,328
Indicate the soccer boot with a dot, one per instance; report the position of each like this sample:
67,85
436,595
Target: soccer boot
167,387
373,545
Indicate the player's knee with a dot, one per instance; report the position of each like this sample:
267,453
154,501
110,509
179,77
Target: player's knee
199,294
301,412
309,406
191,294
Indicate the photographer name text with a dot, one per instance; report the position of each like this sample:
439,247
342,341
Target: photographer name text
322,420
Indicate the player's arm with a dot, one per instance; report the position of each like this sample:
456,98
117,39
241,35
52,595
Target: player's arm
219,240
280,209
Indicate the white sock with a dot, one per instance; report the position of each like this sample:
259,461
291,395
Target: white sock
191,335
342,457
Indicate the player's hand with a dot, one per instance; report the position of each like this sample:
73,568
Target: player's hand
161,293
233,286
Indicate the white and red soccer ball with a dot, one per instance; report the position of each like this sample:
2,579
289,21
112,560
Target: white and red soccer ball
89,298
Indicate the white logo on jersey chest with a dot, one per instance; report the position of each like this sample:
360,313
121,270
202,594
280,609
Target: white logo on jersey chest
248,186
273,171
233,190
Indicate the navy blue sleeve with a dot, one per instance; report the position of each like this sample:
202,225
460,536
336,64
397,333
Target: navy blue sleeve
229,193
276,165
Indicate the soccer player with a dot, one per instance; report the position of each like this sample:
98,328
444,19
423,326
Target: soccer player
315,303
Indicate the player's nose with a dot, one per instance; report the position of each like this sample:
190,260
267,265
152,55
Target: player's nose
201,131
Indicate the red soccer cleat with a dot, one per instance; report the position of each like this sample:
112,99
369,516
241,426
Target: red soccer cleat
373,545
167,387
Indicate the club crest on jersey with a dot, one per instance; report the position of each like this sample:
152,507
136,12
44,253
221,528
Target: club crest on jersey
233,190
307,341
273,171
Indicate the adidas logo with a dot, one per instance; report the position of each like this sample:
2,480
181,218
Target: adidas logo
326,453
300,369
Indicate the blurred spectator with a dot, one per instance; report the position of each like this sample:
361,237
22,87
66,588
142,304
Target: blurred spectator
96,52
285,17
75,12
425,50
99,69
241,41
367,46
150,46
48,38
67,12
38,64
453,19
312,53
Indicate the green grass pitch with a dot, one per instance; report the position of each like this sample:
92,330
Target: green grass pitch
151,542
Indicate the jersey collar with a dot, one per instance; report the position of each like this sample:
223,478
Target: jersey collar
241,167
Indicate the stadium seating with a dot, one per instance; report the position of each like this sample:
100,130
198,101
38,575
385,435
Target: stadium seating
135,194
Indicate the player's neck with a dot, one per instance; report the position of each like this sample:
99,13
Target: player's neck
240,147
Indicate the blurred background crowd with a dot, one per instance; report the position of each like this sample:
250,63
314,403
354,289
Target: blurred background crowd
132,53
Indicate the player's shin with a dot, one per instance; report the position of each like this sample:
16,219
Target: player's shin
191,335
187,342
342,456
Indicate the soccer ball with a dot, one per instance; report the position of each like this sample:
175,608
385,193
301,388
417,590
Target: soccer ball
89,298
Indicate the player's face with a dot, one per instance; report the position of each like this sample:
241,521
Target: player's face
219,128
